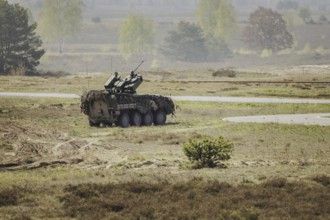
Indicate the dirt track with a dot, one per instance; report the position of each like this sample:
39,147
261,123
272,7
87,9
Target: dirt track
36,147
305,119
133,150
182,98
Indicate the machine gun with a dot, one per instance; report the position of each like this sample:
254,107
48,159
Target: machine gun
128,85
138,66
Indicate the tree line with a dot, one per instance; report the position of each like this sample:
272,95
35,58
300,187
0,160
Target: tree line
209,38
206,40
239,4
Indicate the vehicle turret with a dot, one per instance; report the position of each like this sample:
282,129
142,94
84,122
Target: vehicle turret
128,85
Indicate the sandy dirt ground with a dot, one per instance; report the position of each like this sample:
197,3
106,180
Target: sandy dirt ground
150,152
304,119
29,141
157,156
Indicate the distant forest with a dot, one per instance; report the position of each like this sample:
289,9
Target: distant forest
186,4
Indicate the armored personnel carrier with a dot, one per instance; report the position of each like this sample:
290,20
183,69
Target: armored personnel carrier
120,105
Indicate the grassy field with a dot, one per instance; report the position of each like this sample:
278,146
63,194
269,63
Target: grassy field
53,165
188,82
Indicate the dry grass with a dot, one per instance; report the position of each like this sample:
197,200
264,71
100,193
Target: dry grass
173,83
197,199
194,199
31,129
66,169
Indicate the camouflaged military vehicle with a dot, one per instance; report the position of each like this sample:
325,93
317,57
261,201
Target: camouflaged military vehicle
120,105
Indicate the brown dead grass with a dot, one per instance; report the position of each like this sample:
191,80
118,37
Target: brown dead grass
196,199
25,146
54,134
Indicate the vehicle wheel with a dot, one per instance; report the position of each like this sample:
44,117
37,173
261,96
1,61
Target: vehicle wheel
136,118
123,120
147,119
109,124
94,124
159,117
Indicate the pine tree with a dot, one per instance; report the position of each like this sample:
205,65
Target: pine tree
186,43
19,44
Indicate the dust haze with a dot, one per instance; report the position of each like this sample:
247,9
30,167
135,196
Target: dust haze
95,48
57,163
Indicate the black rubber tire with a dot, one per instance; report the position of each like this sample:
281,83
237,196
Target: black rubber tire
109,124
123,120
159,117
147,119
94,124
136,119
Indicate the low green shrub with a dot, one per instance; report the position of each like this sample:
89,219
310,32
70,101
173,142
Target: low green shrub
241,214
207,151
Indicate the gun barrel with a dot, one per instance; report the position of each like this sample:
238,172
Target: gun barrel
138,66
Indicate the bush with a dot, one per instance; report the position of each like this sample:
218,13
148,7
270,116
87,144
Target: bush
323,19
8,197
266,53
241,214
208,152
96,19
224,73
322,179
20,70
